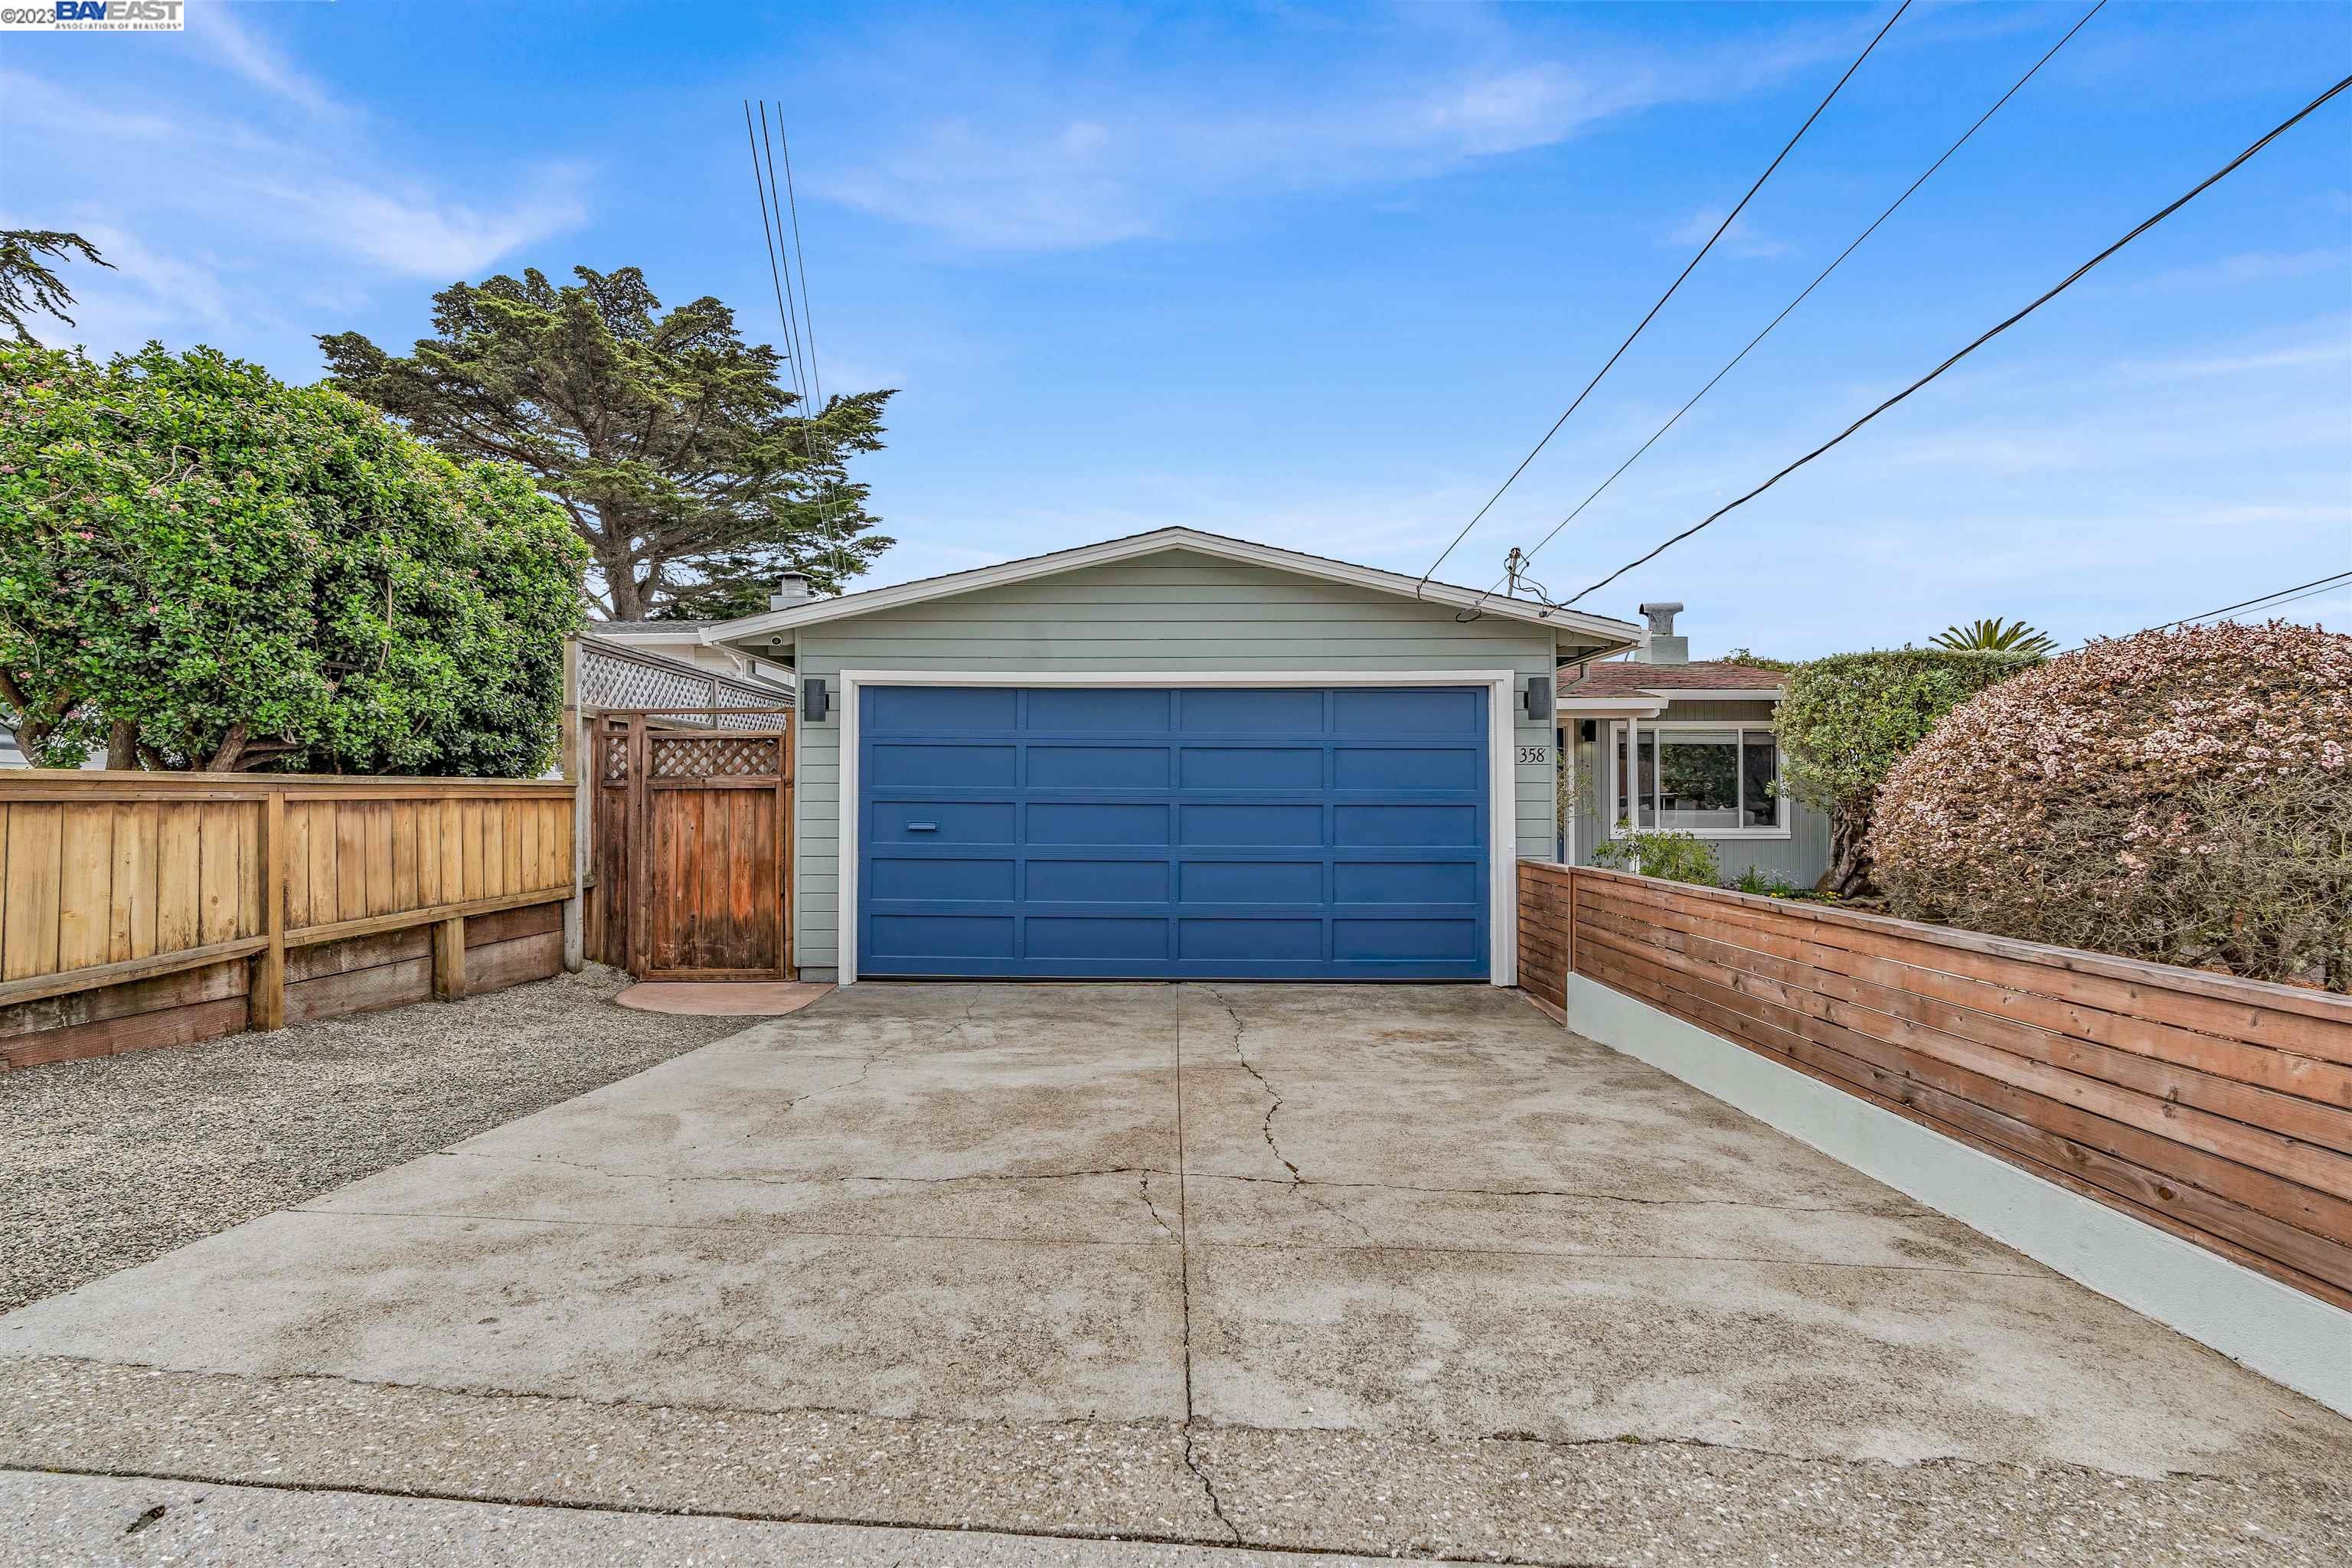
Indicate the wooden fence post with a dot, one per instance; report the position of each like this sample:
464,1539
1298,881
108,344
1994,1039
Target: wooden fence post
577,766
449,959
1567,964
266,994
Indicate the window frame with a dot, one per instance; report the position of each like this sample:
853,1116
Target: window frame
1614,743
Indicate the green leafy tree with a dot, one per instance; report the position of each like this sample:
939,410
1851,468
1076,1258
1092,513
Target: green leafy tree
1994,637
202,567
27,281
1845,720
685,466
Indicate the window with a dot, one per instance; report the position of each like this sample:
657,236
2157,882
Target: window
1713,779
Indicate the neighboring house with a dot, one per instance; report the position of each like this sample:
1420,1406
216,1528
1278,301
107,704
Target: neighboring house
1172,755
684,640
1708,760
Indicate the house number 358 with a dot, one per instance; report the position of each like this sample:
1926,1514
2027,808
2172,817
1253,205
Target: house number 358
1534,753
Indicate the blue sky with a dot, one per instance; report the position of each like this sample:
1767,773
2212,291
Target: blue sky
1320,276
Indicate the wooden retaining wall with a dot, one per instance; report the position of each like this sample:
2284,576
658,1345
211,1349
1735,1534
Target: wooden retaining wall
2217,1108
157,908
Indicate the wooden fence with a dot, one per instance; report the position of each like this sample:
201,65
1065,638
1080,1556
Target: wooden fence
131,893
2218,1108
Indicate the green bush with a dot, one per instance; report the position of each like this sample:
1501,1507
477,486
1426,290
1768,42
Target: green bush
203,567
1845,720
1676,857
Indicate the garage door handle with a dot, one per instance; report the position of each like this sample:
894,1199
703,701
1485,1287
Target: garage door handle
922,828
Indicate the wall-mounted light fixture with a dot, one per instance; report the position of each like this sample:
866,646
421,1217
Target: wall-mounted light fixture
1539,697
812,700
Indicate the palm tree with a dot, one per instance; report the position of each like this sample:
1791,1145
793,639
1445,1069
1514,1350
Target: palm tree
1994,637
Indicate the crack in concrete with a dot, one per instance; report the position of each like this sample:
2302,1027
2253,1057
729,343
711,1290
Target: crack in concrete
1185,1277
865,1067
1299,1185
1888,1213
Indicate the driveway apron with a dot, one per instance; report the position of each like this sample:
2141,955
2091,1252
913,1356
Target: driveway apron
1120,1259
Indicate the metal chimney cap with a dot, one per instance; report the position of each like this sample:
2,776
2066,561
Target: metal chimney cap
1661,617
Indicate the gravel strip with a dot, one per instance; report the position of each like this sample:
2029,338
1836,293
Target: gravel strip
113,1162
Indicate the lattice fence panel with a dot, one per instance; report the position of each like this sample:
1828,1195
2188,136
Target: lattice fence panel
716,757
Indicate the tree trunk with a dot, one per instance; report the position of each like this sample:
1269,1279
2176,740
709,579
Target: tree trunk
1849,873
621,589
122,746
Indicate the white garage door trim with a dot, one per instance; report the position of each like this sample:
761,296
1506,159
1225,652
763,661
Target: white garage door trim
1502,850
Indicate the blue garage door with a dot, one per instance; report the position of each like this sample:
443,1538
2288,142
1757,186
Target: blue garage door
1284,833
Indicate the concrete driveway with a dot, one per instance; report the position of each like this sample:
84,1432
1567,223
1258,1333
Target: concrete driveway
1355,1268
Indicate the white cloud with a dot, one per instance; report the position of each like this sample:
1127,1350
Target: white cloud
418,235
250,55
1740,239
1034,158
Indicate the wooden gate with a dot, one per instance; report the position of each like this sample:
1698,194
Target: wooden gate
692,846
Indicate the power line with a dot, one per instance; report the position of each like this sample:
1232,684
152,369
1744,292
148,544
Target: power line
800,359
2269,601
1661,305
1800,299
841,560
2060,287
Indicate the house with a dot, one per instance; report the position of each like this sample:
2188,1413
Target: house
1169,754
684,641
1710,758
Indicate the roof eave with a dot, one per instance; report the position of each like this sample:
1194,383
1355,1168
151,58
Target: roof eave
1605,630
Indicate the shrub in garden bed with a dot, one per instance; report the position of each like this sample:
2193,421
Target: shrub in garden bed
2183,796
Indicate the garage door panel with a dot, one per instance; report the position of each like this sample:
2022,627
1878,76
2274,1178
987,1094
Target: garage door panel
1097,881
1403,939
1251,881
927,937
1405,881
1251,767
936,878
942,822
1252,712
1097,937
1262,826
1267,834
1256,940
923,764
1098,767
1098,713
952,710
1399,826
1451,768
1390,713
1085,822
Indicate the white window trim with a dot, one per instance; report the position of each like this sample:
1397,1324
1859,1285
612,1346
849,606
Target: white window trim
1609,744
1502,777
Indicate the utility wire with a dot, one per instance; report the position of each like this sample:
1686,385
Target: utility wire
1661,305
1473,612
841,560
2060,287
2269,601
792,311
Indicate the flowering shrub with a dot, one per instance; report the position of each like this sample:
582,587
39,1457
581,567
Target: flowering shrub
2184,796
1848,718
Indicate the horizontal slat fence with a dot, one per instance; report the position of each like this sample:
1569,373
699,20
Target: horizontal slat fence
122,879
2218,1108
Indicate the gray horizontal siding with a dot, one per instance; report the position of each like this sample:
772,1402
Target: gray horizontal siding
1162,615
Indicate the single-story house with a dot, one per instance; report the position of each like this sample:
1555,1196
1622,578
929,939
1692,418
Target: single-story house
1706,758
1174,754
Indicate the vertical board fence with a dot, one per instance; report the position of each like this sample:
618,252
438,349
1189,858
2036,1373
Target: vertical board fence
2217,1108
150,909
690,848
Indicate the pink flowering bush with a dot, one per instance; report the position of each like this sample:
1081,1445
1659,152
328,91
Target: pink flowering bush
2184,796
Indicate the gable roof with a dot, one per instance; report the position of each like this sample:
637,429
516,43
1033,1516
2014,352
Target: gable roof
1624,678
1604,630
